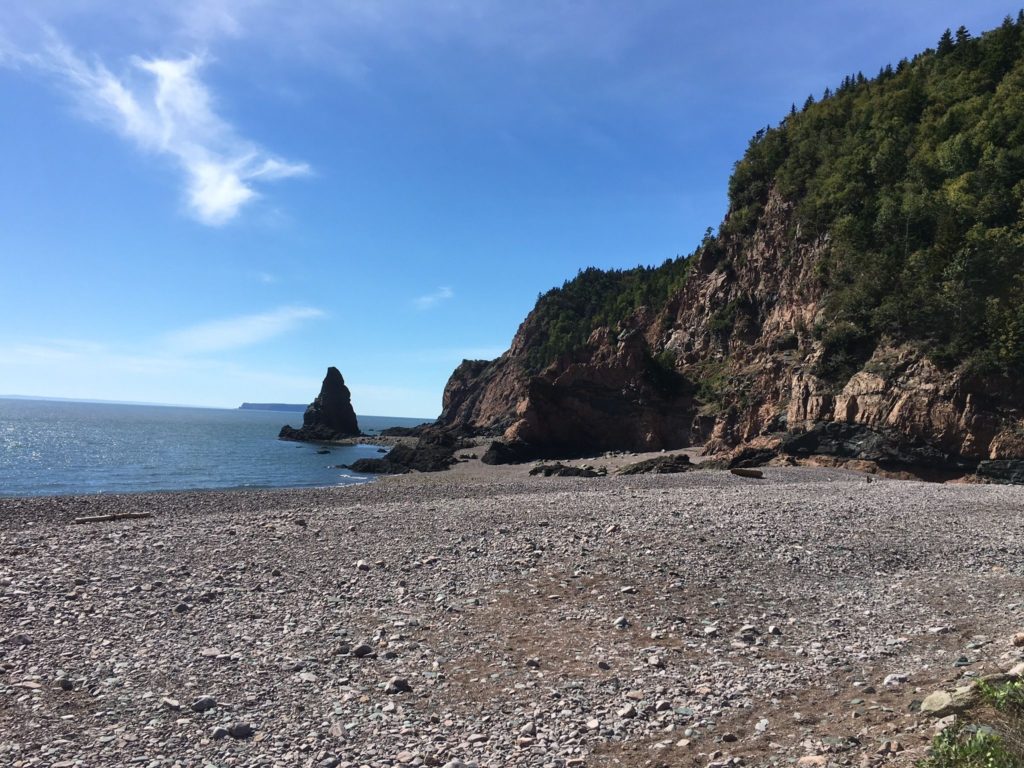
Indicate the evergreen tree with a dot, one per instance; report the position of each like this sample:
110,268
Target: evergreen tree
945,43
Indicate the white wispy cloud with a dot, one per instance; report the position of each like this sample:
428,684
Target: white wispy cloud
241,331
348,37
431,300
163,104
164,107
208,19
528,31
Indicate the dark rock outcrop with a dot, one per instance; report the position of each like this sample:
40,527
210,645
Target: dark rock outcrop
854,441
416,431
561,470
433,452
751,456
1002,471
659,465
329,417
378,466
501,452
753,474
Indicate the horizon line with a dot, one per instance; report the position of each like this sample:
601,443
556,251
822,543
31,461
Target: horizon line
99,401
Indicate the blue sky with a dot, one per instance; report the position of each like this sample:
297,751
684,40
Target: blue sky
210,201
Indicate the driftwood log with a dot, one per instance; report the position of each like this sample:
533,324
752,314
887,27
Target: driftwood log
108,518
756,473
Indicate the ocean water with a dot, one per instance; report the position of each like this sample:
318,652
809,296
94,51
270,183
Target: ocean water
53,448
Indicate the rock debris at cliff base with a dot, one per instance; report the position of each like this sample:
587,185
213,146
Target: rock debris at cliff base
503,620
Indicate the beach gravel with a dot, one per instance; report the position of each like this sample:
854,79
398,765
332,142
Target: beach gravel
498,619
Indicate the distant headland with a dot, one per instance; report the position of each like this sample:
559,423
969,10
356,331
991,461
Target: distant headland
290,407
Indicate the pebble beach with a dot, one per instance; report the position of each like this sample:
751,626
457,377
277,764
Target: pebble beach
486,617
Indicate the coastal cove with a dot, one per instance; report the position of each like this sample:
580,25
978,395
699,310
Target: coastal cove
50,448
741,487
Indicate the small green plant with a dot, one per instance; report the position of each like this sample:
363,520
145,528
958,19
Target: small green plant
1008,697
845,349
969,747
712,378
990,736
735,317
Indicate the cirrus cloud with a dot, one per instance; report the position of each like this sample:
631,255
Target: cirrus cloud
163,107
241,331
431,300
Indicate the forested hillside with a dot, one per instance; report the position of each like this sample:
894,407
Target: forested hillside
916,179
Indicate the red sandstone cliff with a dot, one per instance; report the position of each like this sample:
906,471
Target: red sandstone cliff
739,338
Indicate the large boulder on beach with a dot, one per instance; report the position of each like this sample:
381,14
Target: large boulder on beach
950,702
330,416
660,465
515,452
558,469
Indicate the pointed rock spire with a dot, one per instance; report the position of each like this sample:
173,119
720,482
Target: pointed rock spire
330,416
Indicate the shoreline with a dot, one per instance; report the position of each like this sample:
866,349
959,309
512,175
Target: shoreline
473,469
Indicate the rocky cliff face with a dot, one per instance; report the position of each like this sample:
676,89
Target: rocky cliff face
732,362
614,396
330,416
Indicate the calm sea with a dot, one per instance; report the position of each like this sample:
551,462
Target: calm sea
50,448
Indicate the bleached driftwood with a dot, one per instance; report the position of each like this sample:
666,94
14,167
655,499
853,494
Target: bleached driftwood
108,518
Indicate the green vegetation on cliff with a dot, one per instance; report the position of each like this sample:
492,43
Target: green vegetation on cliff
917,178
598,298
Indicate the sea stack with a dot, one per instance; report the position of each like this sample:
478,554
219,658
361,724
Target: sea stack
329,417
